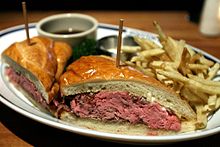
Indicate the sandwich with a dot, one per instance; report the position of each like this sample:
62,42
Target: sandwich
35,68
95,94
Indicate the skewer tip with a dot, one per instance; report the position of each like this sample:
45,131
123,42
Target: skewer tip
26,22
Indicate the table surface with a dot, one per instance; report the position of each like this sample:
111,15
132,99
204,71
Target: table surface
17,130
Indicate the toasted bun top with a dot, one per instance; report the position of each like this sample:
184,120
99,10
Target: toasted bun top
98,68
63,52
39,58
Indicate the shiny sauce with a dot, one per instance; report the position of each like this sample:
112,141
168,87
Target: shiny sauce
67,32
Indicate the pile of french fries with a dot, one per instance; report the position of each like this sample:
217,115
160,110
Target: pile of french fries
176,65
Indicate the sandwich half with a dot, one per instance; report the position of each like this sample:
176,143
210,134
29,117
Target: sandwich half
34,68
97,95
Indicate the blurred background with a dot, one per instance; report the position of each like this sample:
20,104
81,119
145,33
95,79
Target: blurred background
193,7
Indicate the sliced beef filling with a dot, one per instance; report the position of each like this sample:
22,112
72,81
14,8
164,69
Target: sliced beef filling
26,84
57,105
122,106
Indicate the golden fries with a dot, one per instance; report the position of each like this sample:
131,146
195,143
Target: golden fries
178,66
213,70
152,52
205,61
130,49
201,117
198,67
204,81
189,96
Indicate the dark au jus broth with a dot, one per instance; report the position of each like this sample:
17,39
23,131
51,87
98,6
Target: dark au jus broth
67,32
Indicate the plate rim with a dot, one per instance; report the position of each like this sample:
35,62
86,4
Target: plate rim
104,135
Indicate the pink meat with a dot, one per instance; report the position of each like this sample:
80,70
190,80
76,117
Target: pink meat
122,106
26,84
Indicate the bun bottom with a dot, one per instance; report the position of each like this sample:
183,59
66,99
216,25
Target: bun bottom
124,128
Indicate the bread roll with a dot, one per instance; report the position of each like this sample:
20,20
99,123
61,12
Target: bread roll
93,74
39,62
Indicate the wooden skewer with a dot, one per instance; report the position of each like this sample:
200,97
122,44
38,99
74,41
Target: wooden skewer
26,22
119,43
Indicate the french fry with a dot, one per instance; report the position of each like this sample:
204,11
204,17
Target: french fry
164,80
205,61
160,64
198,67
138,63
213,70
200,95
169,83
152,44
162,36
191,83
144,64
191,97
201,117
204,88
207,109
212,101
130,49
183,65
152,52
137,58
147,72
140,42
200,75
217,105
204,81
191,51
195,58
170,46
173,75
149,43
179,51
177,86
165,57
130,63
161,77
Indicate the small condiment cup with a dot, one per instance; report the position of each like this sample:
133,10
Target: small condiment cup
72,28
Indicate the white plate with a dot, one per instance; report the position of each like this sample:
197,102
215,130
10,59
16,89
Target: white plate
18,102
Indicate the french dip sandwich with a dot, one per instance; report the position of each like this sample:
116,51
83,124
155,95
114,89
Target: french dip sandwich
34,68
97,95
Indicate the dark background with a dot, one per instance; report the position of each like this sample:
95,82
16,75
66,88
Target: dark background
192,6
103,4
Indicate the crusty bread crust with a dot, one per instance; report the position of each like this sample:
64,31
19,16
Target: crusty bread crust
40,62
63,52
90,68
96,73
